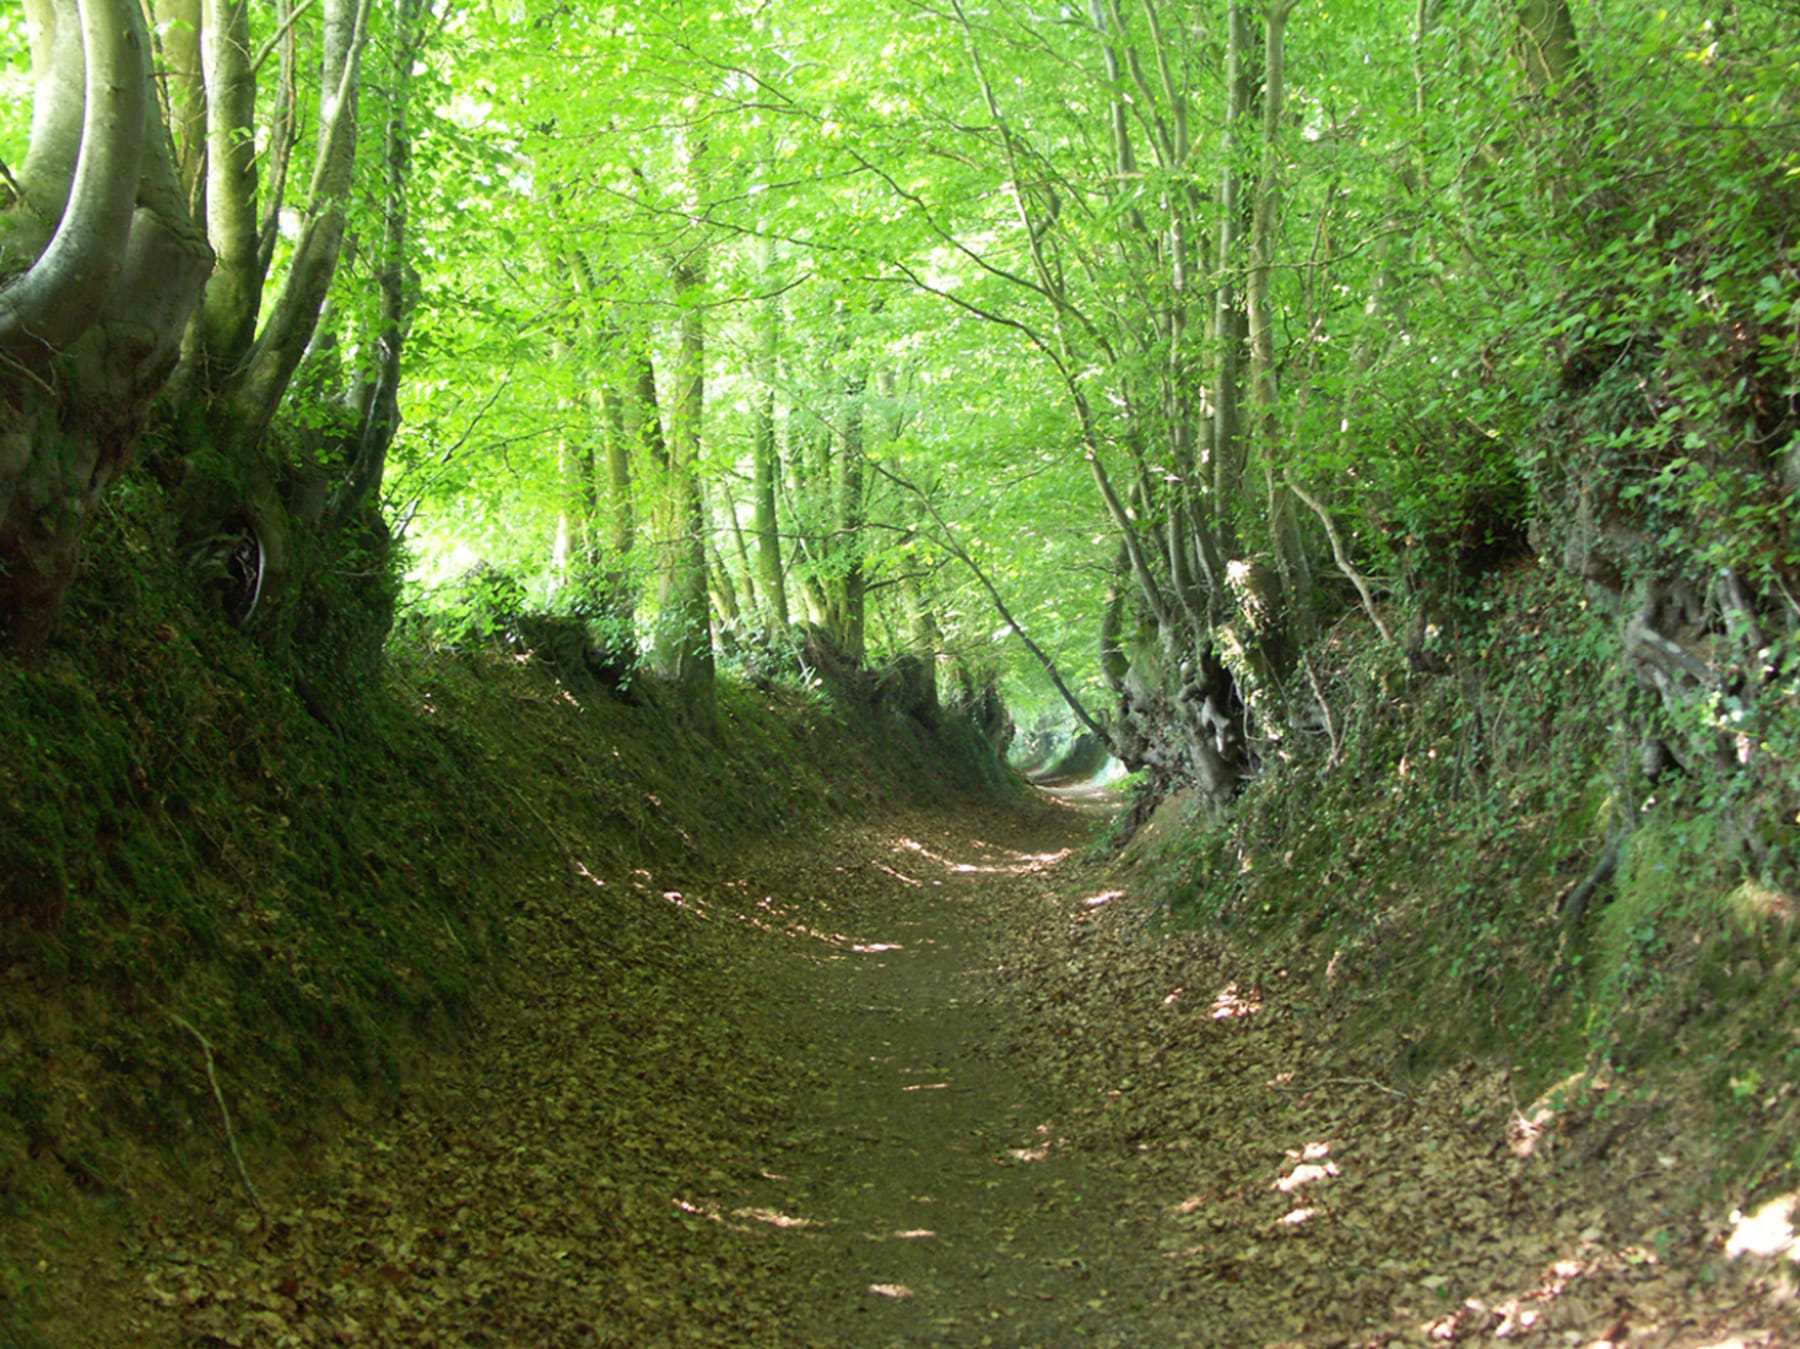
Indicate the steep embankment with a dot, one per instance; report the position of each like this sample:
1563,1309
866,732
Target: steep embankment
546,1017
227,901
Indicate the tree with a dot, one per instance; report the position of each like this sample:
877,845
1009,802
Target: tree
265,304
766,450
103,264
684,616
192,259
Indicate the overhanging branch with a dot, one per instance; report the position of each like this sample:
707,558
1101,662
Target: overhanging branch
947,537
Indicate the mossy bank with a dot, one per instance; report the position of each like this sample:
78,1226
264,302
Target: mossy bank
221,909
1474,859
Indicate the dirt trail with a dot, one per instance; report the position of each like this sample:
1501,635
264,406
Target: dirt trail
935,1204
935,1083
776,1107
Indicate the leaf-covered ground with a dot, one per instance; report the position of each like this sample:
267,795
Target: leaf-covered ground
940,1083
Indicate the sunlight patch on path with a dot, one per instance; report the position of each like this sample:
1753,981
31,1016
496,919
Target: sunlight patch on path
1022,863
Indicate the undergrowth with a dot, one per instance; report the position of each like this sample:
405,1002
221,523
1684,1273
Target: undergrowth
1417,863
1556,822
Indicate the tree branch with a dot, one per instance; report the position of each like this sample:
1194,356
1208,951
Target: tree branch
1342,558
948,538
64,291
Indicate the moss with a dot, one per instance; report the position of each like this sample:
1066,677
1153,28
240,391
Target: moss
182,835
1661,882
1418,864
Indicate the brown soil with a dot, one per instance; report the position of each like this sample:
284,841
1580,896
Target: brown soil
936,1083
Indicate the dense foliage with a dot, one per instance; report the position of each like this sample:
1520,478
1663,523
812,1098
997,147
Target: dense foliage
1125,351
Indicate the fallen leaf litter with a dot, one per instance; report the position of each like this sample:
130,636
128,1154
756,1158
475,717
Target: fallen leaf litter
945,1084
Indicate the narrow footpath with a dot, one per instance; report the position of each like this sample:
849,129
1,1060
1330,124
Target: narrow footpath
927,1177
939,1082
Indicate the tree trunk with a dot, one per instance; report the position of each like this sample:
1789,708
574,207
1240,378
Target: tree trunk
1284,529
746,570
234,291
375,395
766,457
847,589
1228,315
809,477
573,549
257,385
246,346
684,620
178,34
724,596
1548,47
618,603
115,266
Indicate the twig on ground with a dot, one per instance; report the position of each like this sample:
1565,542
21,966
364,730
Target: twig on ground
212,1077
1324,707
1357,1082
552,830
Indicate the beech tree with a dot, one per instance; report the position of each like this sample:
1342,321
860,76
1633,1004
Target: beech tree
102,264
278,243
172,241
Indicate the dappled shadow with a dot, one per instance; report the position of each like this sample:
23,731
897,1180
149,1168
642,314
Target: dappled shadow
942,1084
926,1160
992,861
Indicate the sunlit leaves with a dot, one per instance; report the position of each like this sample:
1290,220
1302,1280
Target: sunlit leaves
1411,245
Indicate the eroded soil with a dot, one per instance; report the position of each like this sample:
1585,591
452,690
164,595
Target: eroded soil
938,1083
